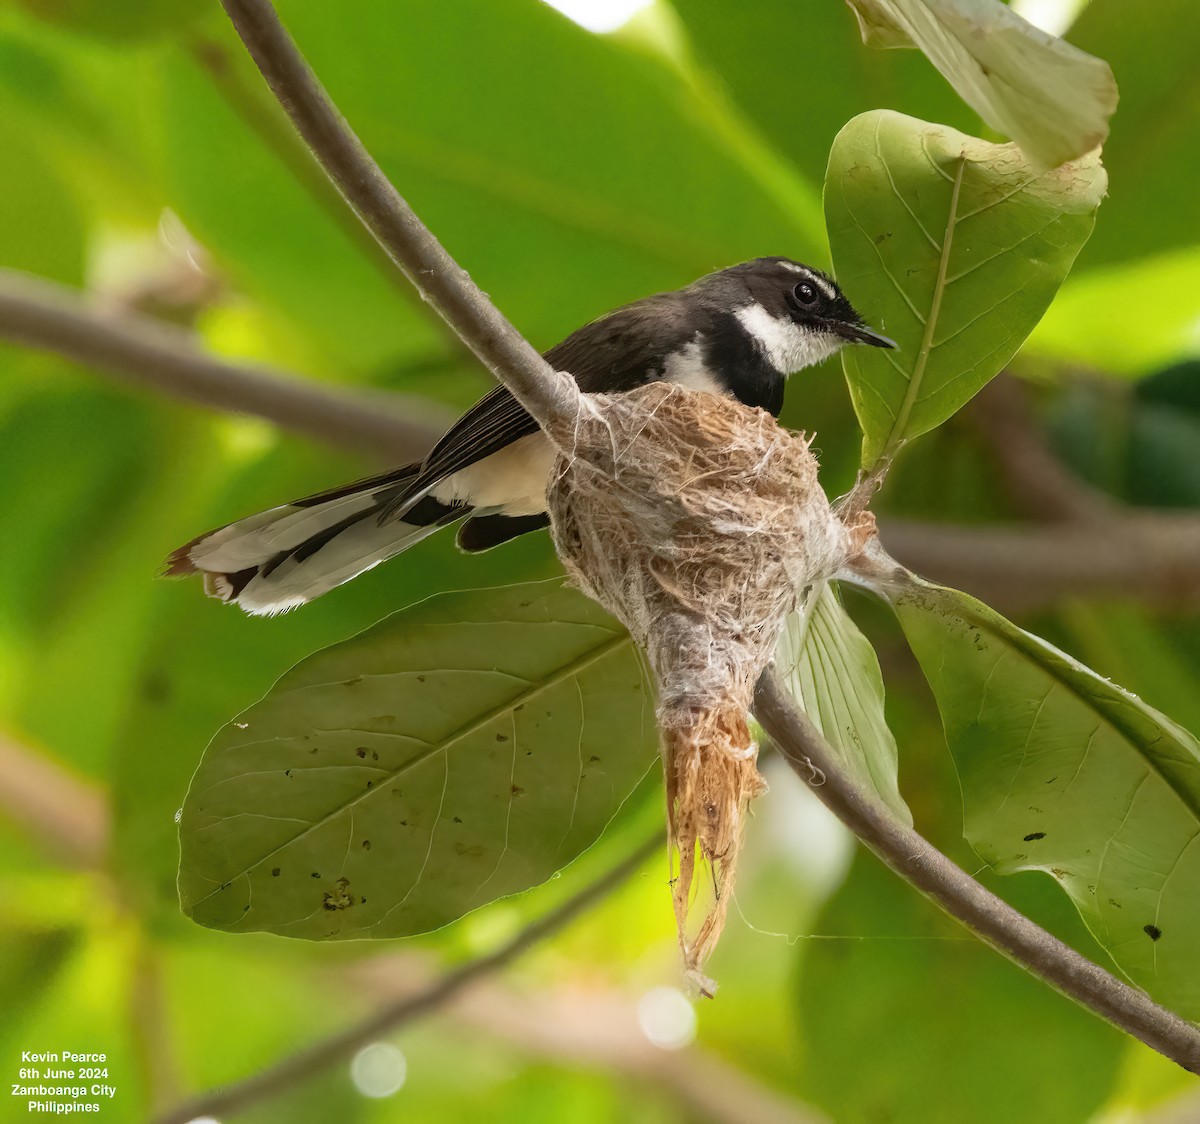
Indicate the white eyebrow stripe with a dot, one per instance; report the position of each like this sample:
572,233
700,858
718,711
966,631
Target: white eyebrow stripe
820,282
825,287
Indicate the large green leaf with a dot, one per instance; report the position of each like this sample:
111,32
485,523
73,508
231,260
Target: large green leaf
953,246
204,662
1053,99
1064,772
461,750
976,1036
832,671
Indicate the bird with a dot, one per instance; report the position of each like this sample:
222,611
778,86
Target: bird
739,331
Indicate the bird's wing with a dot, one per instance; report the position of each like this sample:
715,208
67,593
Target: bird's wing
618,352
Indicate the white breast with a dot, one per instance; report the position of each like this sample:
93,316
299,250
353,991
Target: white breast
688,368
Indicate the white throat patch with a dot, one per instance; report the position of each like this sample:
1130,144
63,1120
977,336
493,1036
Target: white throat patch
787,346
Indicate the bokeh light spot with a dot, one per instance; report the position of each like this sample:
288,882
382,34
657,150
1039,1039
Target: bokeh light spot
667,1018
379,1070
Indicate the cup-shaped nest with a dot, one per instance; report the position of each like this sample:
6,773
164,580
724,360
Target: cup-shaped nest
699,523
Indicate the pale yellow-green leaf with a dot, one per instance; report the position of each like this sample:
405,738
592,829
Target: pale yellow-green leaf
1053,99
832,671
459,751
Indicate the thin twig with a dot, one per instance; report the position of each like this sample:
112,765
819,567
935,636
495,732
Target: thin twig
546,394
307,1063
990,919
147,352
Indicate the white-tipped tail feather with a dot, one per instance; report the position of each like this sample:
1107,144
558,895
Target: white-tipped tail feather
281,558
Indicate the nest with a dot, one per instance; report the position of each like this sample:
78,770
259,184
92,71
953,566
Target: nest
699,523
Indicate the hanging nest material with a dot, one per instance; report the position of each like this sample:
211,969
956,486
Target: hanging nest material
699,522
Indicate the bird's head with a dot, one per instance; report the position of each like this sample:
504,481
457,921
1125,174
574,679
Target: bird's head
796,314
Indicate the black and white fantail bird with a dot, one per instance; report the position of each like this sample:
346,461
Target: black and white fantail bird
739,331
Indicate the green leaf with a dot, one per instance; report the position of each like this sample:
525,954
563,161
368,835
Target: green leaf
1064,772
114,21
462,750
833,673
953,246
202,663
1053,99
970,1028
41,229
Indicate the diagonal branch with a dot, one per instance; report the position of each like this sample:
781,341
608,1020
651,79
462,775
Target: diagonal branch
546,394
307,1063
551,397
40,314
993,921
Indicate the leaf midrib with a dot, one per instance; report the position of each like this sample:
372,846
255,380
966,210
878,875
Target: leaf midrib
900,423
464,731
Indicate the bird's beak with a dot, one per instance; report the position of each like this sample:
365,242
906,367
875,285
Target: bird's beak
859,333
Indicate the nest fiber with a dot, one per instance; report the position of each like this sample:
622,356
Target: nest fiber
699,523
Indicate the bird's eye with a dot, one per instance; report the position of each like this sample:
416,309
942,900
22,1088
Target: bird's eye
805,293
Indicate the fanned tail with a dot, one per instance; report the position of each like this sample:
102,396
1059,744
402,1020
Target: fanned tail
278,559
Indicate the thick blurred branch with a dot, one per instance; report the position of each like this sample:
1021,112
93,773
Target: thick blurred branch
1114,552
340,1047
993,921
1146,556
66,815
146,352
411,245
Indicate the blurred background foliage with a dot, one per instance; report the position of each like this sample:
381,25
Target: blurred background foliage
570,171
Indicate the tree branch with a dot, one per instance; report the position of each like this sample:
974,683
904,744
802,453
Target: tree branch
1148,556
147,352
338,1047
990,919
546,394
